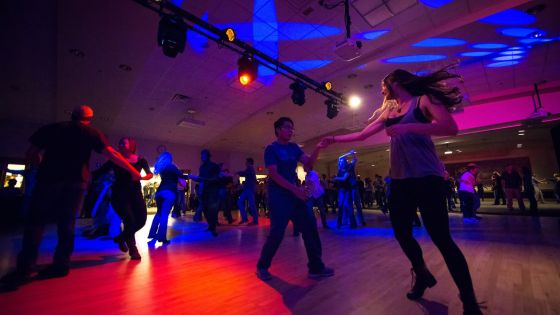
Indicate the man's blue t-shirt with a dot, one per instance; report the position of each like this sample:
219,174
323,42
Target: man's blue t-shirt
285,157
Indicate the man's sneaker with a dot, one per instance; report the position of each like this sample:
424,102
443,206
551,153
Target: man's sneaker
263,274
53,271
326,272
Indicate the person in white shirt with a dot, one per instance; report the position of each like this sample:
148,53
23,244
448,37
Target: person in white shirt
316,193
467,183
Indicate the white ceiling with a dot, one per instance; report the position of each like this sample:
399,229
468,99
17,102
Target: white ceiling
41,80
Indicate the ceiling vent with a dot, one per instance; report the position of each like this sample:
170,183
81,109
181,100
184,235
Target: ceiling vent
376,12
189,122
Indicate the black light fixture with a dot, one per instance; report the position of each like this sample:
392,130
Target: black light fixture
332,108
247,71
298,92
172,35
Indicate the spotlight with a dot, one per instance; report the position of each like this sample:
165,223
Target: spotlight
332,108
355,101
172,35
247,71
230,34
298,92
327,85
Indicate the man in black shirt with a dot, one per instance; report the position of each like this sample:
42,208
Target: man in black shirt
209,177
62,151
511,184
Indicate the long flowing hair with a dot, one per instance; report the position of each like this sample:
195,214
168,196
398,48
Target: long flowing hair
433,85
165,159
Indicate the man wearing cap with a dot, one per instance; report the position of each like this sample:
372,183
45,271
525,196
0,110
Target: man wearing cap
62,151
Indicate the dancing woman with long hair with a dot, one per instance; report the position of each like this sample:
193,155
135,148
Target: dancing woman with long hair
126,196
165,195
416,108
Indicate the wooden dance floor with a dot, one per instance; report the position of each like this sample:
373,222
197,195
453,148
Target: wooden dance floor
514,260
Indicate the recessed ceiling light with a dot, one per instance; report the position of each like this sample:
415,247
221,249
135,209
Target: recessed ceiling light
458,151
448,152
520,145
521,130
372,164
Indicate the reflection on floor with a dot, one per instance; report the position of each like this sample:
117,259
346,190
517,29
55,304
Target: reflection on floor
514,260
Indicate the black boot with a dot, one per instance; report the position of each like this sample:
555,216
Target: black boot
132,249
422,279
470,305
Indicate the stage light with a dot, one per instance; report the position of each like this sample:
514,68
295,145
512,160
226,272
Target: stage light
172,35
327,85
354,101
247,71
230,34
332,108
298,92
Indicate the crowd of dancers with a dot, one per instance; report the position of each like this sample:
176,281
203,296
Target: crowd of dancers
415,108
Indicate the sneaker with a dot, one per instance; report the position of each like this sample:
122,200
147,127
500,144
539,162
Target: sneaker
326,272
53,271
263,274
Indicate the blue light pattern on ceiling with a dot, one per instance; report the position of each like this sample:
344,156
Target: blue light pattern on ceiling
513,52
435,3
520,31
440,42
488,46
265,32
422,72
502,64
510,17
510,57
197,41
535,40
414,58
371,35
475,53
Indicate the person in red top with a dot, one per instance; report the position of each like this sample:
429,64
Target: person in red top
62,151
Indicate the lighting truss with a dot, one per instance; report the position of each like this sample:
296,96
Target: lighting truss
166,8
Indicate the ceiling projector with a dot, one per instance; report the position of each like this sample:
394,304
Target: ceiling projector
348,49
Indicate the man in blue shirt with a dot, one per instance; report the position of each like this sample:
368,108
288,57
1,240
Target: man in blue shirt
248,193
287,201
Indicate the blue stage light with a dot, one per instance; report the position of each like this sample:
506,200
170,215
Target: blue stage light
414,58
440,42
488,46
435,3
510,17
502,64
475,53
